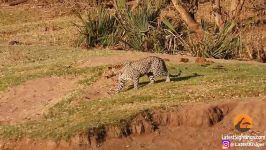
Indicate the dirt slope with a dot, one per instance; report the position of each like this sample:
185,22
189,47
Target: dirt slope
30,99
101,88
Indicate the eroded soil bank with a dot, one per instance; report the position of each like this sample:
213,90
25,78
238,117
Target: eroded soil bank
195,126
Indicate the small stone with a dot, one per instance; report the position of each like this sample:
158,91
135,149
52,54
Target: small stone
13,42
184,60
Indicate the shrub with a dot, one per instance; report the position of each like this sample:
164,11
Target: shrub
139,29
173,40
225,44
255,46
138,25
99,28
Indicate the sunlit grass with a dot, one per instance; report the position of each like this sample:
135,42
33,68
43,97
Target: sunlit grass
197,84
22,63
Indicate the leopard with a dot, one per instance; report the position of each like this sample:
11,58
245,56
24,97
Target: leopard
151,66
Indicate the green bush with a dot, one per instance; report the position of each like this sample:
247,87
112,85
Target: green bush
99,29
225,44
139,29
136,29
139,25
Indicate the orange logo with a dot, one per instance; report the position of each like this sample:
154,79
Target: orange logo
243,122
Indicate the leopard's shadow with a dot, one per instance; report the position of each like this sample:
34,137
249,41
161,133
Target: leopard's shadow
173,79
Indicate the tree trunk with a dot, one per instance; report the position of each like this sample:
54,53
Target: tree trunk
187,18
236,7
135,4
217,12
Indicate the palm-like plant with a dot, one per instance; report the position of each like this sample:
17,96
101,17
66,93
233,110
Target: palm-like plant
99,28
226,44
136,24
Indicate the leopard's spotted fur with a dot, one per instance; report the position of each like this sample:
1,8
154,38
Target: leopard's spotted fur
151,66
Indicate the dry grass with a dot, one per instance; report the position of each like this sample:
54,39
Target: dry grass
204,11
57,31
8,16
255,43
39,26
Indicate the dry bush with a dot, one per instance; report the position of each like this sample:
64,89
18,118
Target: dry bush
255,44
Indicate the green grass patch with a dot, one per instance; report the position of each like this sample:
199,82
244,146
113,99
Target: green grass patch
22,63
14,78
197,84
16,56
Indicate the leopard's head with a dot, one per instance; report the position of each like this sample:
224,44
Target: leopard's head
113,70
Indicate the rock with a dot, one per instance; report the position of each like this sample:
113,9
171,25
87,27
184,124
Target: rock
184,60
16,2
13,42
202,60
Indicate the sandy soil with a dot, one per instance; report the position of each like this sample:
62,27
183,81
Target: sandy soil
30,99
101,88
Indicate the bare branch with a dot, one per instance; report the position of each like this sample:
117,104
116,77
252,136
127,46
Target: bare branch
187,18
236,7
134,4
217,12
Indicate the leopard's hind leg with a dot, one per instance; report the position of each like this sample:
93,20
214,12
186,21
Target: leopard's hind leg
167,78
136,82
151,78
